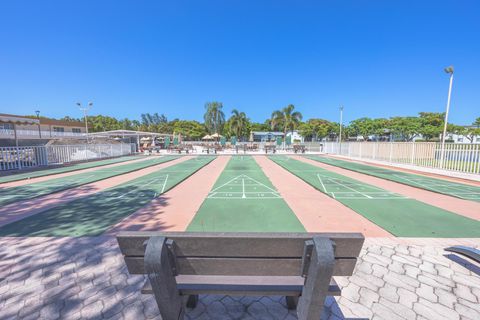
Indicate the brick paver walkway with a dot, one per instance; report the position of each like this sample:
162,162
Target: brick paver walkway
72,278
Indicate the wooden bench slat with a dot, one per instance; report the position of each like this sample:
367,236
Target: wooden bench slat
200,244
241,266
271,285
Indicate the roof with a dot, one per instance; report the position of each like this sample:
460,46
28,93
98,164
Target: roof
17,119
34,120
276,133
127,133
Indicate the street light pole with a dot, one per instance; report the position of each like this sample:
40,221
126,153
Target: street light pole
340,135
37,112
85,109
448,70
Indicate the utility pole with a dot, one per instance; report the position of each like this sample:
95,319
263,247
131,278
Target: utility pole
448,70
85,110
37,112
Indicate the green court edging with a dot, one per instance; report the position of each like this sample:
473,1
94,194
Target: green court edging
69,168
244,200
94,214
449,188
34,190
401,216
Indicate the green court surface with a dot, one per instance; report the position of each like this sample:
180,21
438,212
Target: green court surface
454,189
92,215
69,168
33,190
401,216
244,200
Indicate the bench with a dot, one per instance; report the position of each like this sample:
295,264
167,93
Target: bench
271,148
181,265
299,148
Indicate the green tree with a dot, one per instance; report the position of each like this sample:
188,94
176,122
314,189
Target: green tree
238,124
192,130
288,118
431,124
406,127
316,129
363,127
214,117
257,126
477,122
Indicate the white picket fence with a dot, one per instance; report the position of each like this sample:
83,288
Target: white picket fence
460,157
25,157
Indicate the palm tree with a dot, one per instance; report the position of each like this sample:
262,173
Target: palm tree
287,118
238,122
214,116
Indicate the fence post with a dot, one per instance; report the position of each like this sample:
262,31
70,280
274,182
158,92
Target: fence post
111,150
412,160
86,158
391,151
19,163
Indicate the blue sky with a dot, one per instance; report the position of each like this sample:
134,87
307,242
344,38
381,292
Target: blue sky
377,58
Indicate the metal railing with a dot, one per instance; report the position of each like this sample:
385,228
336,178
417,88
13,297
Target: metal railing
460,157
26,157
32,133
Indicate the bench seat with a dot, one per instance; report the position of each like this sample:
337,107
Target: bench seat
242,285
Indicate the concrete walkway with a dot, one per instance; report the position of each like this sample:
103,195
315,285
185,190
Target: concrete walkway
74,278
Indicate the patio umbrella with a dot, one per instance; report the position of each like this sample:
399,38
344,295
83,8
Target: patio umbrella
207,137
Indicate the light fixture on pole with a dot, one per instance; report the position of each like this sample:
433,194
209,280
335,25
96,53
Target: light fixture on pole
85,110
340,135
448,70
37,112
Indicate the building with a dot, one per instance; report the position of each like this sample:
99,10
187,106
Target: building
458,138
295,136
15,129
265,136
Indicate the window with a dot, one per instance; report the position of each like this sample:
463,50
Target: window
76,130
478,139
6,126
58,129
460,139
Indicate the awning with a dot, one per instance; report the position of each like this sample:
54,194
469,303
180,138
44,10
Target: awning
18,120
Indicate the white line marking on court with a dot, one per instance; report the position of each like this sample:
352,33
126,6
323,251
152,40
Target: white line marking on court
323,186
365,195
243,187
223,185
147,184
164,183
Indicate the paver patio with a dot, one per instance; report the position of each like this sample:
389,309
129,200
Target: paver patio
72,278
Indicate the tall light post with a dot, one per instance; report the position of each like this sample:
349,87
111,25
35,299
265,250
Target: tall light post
85,110
340,135
448,70
37,112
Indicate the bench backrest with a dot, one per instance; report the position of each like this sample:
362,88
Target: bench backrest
241,254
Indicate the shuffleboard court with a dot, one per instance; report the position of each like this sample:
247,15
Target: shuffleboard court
14,194
401,216
92,215
454,189
75,167
244,200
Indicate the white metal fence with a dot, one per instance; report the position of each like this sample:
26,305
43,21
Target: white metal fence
461,157
32,133
25,157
